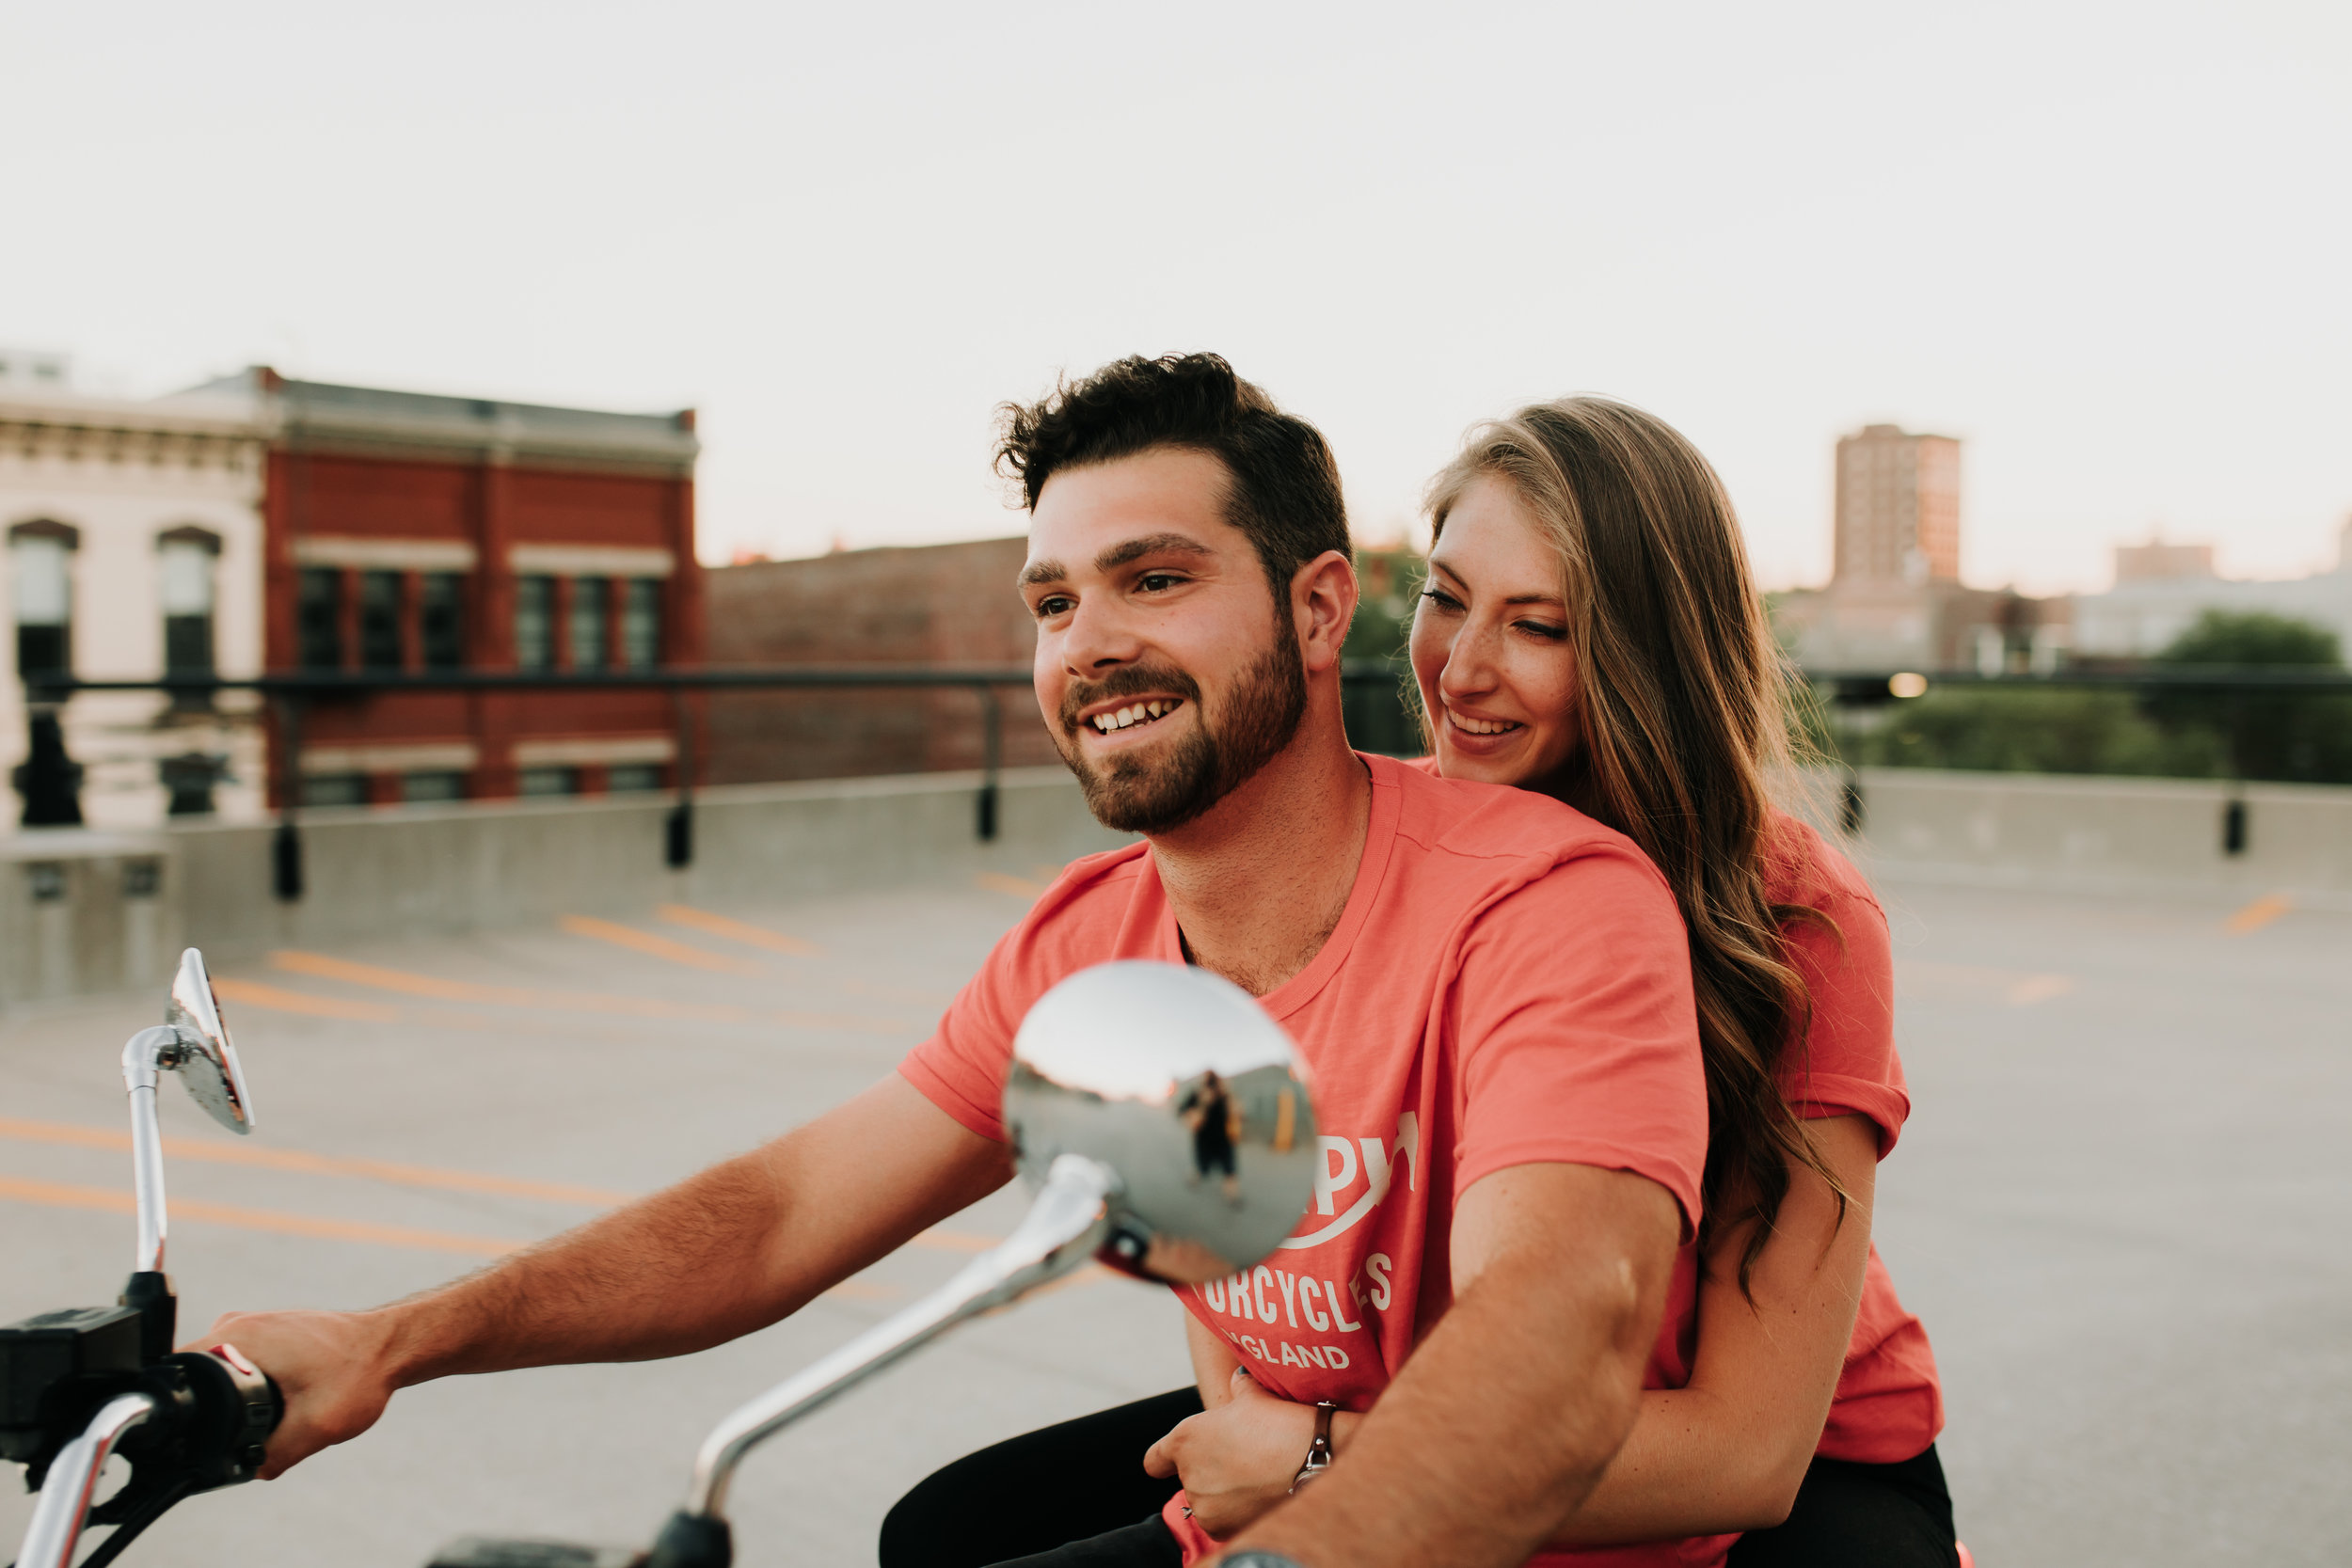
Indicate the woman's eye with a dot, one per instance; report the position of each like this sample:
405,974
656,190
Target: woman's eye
1442,599
1537,629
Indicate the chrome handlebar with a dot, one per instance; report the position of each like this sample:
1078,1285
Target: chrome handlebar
1070,1219
64,1503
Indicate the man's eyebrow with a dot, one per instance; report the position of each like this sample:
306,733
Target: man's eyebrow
1043,571
1153,544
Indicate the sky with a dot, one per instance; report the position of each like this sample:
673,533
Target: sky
2105,244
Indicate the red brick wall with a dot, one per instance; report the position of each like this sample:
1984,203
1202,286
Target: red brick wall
938,604
494,507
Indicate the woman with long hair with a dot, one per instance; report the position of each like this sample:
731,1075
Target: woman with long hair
1590,629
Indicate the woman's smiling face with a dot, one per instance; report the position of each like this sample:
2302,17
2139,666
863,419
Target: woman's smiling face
1490,646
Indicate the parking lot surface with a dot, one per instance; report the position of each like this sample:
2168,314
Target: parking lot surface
2120,1206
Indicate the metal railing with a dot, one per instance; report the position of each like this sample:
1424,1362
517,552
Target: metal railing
2242,679
291,694
1378,716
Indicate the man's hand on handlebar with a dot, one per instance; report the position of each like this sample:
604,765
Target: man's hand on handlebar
330,1366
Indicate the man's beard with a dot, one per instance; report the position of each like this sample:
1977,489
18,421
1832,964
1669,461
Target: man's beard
1222,751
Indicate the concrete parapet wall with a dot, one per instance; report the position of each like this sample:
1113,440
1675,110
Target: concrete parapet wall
86,912
2107,834
388,872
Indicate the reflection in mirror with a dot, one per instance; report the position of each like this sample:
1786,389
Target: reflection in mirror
1179,1082
208,1061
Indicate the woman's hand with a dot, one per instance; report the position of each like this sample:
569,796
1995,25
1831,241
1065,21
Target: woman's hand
1238,1459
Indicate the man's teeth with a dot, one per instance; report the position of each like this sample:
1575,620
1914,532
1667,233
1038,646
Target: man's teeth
1480,726
1134,713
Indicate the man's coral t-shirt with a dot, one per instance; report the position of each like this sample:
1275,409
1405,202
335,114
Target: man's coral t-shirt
1508,985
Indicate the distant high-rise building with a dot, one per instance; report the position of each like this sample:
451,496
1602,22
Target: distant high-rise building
2157,562
1897,508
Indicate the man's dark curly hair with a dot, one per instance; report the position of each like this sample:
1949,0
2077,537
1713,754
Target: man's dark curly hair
1285,493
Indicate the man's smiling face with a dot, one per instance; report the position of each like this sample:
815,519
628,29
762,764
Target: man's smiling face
1166,669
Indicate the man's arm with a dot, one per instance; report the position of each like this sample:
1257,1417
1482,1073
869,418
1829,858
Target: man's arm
1508,1413
721,1254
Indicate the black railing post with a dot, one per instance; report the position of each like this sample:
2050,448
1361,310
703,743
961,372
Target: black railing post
678,840
1852,809
286,847
992,758
49,780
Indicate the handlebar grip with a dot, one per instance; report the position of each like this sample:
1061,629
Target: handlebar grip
237,1406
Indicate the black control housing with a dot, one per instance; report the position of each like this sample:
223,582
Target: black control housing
56,1368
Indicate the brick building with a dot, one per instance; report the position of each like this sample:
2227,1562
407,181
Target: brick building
1895,600
937,604
1897,508
407,532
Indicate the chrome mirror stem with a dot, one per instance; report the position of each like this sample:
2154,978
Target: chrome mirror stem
144,1058
64,1503
1067,1223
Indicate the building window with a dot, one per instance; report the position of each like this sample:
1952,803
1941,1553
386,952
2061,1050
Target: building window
335,789
629,778
535,622
442,620
185,567
319,618
547,781
641,623
379,621
417,788
40,559
592,608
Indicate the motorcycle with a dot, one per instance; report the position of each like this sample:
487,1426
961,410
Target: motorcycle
1105,1105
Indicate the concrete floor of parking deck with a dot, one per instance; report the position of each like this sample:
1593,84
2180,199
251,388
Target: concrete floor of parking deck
2121,1207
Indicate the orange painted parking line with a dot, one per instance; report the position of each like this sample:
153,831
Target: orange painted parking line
305,1164
654,946
2036,988
2018,988
954,1241
738,930
997,881
2258,913
252,993
401,981
57,1194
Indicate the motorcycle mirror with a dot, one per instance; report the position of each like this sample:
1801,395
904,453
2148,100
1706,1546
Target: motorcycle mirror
208,1061
1178,1082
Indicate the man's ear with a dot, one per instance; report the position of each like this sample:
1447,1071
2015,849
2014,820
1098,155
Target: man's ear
1323,604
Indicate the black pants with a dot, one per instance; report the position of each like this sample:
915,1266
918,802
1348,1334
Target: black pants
1074,1495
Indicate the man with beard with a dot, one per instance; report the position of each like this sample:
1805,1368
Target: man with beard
1492,993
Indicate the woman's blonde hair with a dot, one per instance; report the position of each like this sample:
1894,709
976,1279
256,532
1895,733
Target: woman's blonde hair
1682,717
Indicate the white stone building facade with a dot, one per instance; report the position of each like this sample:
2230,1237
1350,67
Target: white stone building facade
2144,612
133,535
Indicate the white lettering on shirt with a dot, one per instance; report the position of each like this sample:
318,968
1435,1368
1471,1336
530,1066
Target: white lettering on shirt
1290,1302
1379,1167
1327,1180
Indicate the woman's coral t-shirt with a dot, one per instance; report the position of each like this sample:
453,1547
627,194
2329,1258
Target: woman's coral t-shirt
1889,1405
